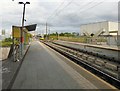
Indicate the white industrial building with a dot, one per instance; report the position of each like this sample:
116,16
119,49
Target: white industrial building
99,28
106,29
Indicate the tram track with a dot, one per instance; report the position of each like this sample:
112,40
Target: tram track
103,68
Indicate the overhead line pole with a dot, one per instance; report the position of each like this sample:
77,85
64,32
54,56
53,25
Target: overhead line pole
46,31
49,33
52,15
22,29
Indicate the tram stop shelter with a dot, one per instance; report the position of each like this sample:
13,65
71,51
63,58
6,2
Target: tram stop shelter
23,40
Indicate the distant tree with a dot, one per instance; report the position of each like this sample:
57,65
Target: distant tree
61,34
75,34
8,40
44,35
53,34
66,34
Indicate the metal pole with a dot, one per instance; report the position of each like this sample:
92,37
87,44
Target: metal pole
49,33
46,31
22,30
13,44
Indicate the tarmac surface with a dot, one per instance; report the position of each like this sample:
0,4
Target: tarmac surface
43,68
4,51
9,69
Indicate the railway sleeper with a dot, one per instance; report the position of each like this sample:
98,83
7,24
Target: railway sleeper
111,66
96,66
84,57
91,53
119,73
79,54
99,62
107,71
112,73
91,59
74,52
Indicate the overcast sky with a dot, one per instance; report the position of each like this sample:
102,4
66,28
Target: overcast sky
61,15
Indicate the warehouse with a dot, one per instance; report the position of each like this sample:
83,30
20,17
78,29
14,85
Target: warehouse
106,29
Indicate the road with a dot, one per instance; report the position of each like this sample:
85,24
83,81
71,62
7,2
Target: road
43,68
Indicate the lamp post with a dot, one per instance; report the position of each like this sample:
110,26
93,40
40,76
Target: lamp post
21,39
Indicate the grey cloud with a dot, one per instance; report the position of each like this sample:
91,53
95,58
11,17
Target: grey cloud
69,19
74,19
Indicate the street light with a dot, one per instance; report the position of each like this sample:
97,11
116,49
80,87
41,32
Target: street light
23,24
24,3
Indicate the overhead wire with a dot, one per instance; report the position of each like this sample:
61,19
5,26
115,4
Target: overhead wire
83,11
87,4
65,6
55,10
69,4
92,6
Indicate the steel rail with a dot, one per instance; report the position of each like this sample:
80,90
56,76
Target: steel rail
72,55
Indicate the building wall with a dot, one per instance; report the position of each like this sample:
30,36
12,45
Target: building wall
113,26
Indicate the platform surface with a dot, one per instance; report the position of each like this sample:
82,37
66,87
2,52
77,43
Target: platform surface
43,68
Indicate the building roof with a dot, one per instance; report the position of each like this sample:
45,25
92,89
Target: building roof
97,22
29,27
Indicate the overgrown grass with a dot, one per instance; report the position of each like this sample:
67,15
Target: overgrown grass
82,39
5,44
53,37
74,39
